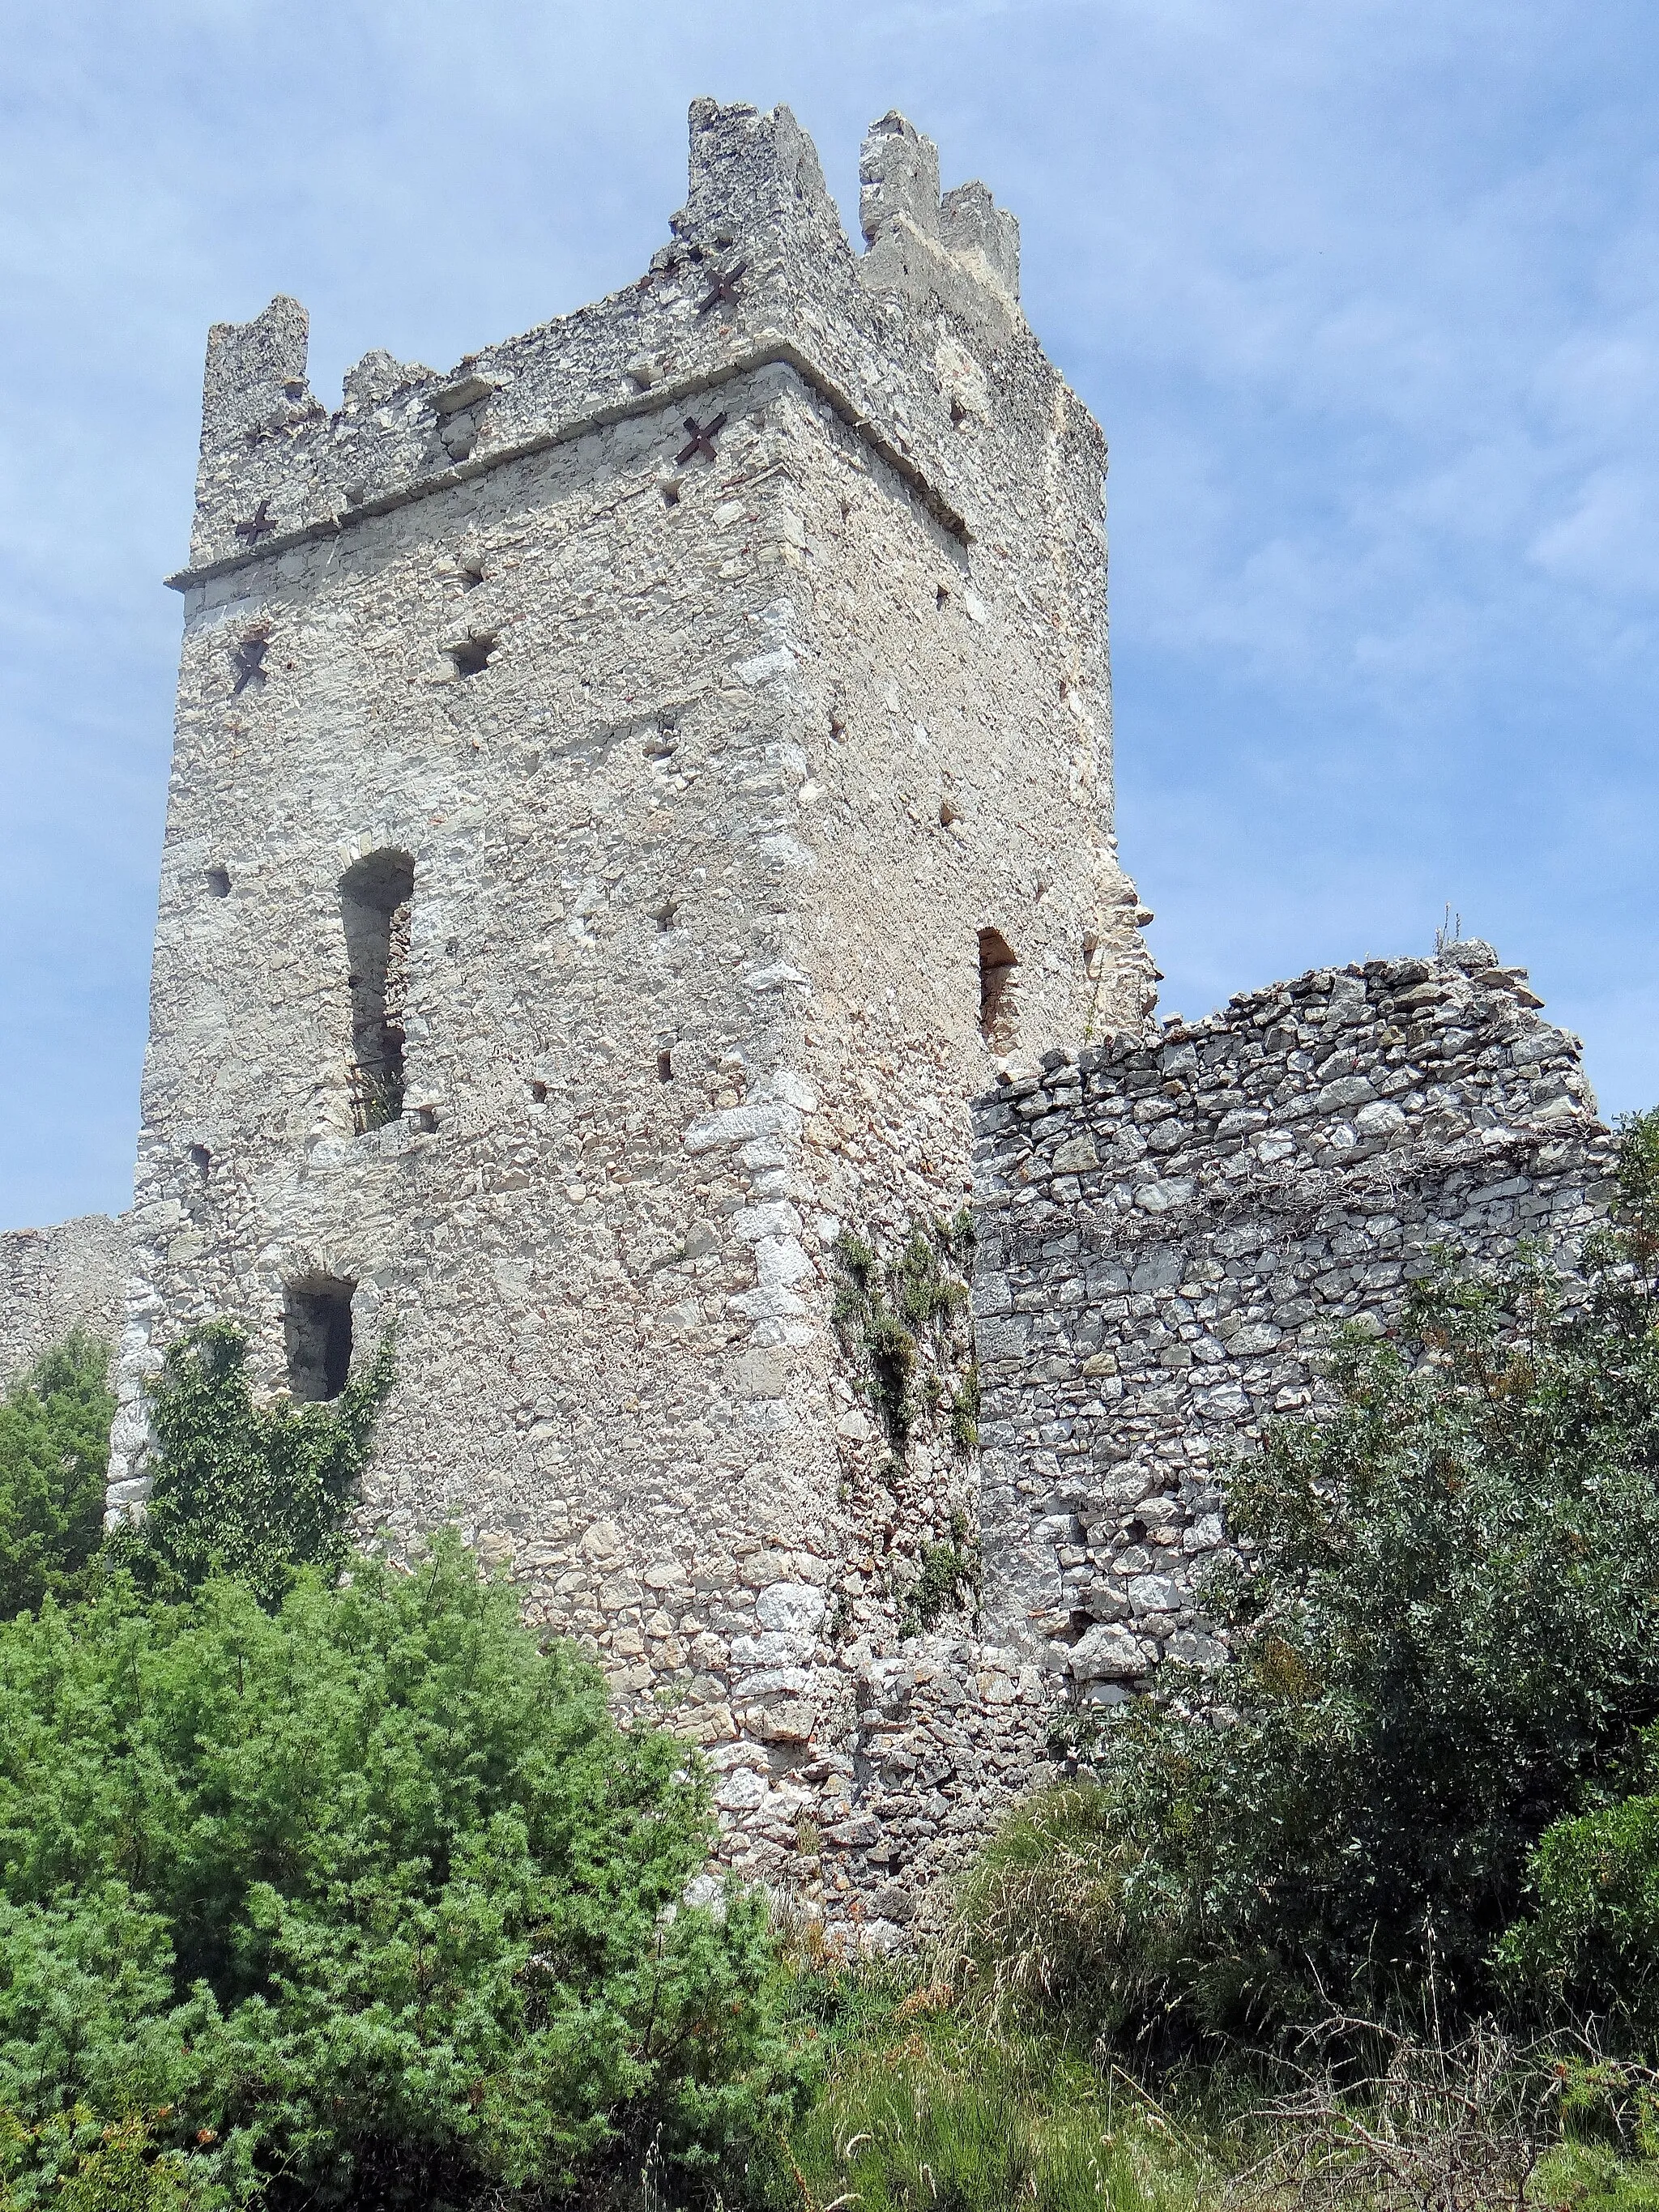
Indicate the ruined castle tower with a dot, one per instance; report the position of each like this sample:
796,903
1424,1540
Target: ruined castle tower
628,793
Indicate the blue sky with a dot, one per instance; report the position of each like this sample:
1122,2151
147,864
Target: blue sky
1366,293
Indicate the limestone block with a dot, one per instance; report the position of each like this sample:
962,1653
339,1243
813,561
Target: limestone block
1106,1653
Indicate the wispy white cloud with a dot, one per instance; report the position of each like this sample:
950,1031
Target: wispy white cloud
1364,292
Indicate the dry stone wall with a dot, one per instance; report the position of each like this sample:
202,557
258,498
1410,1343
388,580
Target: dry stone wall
53,1280
1171,1230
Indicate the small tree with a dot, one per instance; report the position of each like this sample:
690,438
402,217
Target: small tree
54,1457
364,1898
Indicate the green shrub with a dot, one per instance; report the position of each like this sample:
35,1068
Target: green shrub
358,1899
1591,1942
116,2169
1447,1628
248,1490
54,1457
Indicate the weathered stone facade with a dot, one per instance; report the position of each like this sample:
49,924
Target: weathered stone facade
1172,1229
53,1280
631,793
626,792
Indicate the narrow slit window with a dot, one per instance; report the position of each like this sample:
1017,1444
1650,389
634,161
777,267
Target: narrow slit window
997,964
375,895
317,1327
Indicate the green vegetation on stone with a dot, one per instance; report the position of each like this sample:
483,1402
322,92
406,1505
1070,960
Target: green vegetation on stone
249,1490
54,1457
902,1324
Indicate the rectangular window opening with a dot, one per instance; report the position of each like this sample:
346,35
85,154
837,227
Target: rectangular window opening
997,963
317,1329
375,900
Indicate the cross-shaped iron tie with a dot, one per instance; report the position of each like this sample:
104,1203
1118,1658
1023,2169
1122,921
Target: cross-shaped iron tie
259,523
723,288
701,441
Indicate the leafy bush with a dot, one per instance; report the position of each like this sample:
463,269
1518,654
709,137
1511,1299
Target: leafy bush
54,1455
362,1898
1591,1942
1448,1626
250,1489
118,2168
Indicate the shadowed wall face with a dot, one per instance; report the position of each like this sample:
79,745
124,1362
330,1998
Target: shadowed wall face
317,1331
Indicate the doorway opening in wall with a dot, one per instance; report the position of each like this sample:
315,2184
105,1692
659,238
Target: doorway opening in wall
997,963
317,1329
375,897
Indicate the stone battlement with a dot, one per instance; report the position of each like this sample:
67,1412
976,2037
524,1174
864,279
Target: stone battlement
759,272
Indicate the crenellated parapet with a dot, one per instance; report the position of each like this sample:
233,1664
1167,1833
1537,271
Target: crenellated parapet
918,344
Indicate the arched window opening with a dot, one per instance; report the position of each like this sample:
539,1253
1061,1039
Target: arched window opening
317,1329
997,963
374,906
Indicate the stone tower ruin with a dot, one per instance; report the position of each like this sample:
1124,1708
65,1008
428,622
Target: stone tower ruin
628,793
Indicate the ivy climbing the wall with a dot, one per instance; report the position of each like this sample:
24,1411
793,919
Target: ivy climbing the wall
248,1490
904,1325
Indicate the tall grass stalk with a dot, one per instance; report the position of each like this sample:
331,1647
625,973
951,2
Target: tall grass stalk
943,2114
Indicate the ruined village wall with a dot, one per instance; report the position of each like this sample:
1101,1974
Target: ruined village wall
1171,1228
53,1280
761,739
1171,1231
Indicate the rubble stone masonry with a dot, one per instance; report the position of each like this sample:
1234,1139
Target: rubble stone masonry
1171,1231
631,791
627,792
53,1280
